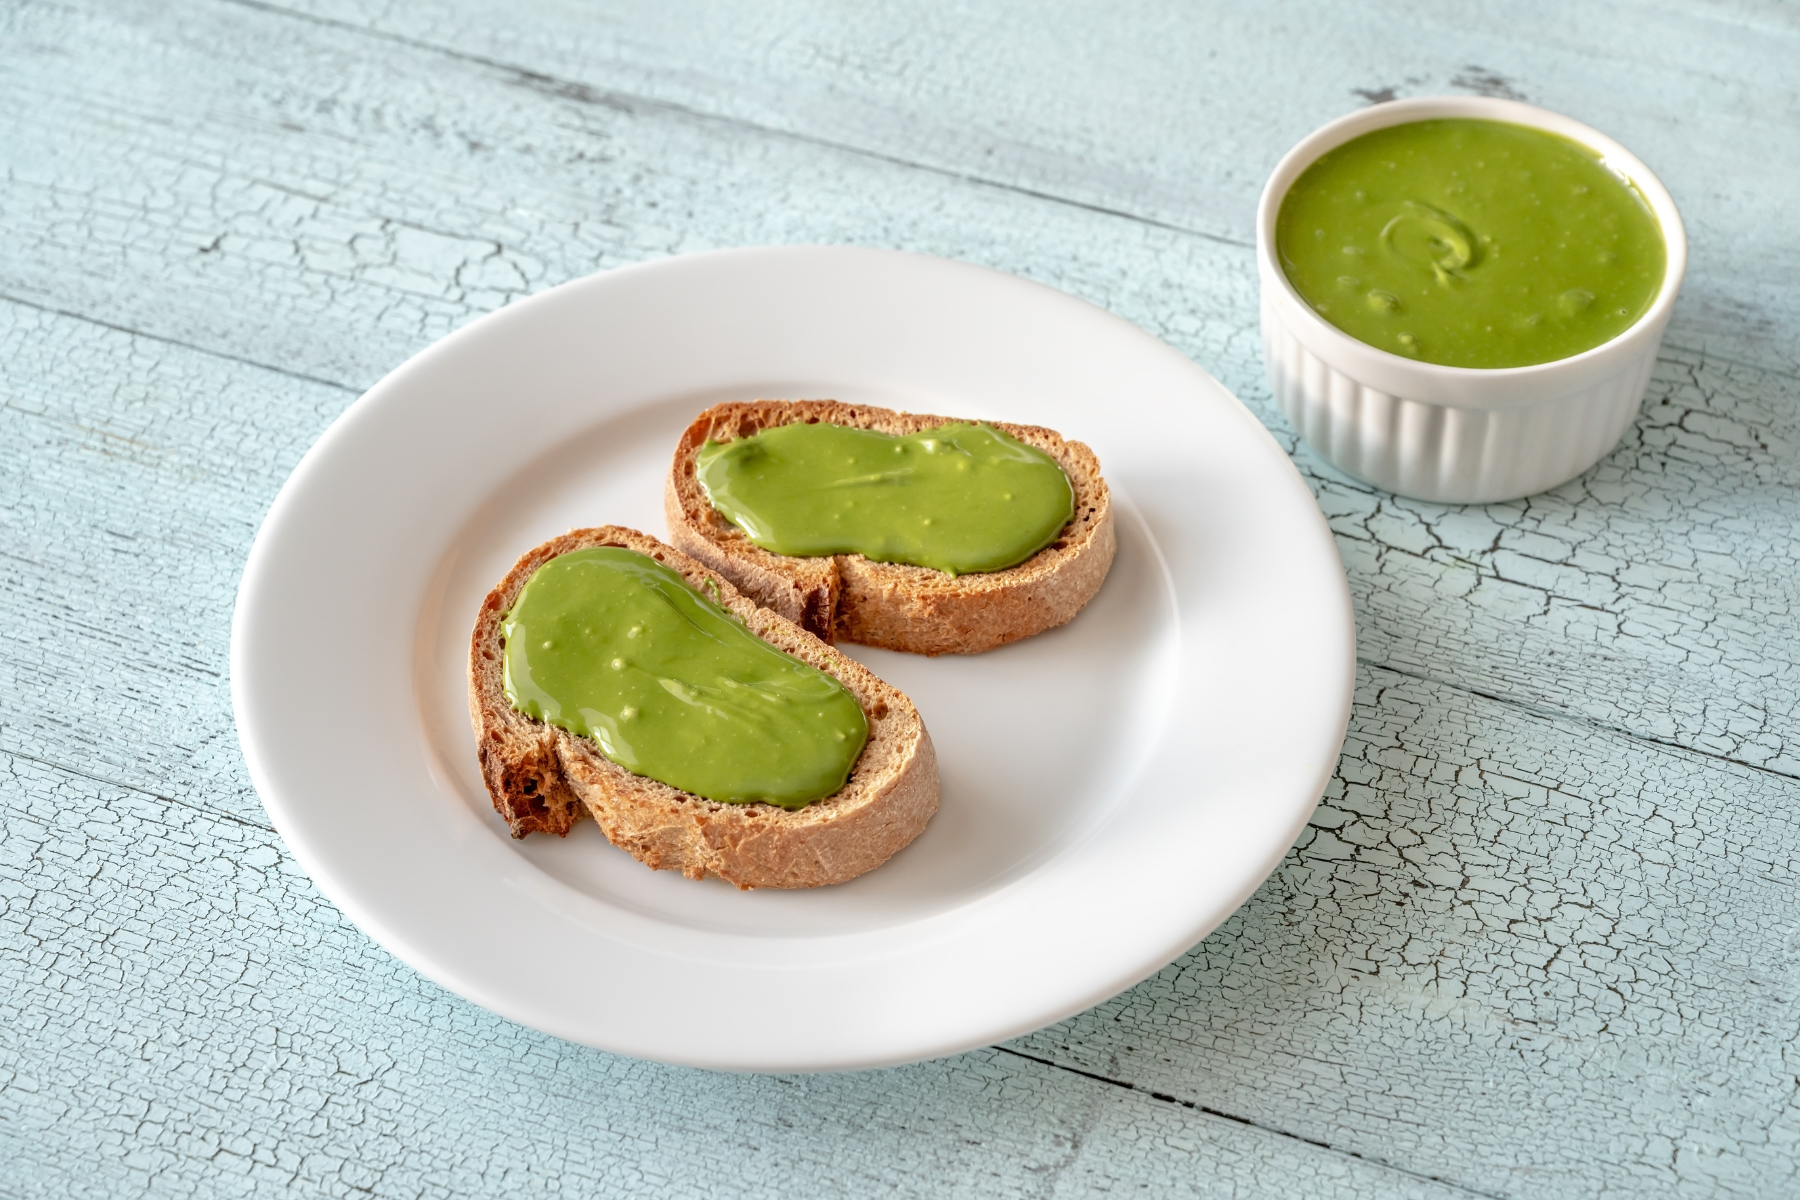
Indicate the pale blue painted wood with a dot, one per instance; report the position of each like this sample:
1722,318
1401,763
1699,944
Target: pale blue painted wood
1176,113
374,203
1538,942
184,1015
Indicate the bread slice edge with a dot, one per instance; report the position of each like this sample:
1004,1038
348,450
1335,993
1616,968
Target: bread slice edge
850,598
542,779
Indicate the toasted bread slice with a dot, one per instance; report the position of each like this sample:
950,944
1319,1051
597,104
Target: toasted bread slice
541,777
849,598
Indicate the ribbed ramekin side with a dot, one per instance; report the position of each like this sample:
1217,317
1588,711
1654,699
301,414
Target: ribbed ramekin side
1440,452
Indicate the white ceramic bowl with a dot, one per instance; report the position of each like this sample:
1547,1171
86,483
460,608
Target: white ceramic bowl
1455,434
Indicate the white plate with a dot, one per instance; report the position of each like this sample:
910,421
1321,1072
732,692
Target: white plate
1111,790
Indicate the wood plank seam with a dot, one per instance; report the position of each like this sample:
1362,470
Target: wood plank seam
177,342
1165,1098
1591,992
138,789
240,972
1523,705
1712,356
1552,714
633,103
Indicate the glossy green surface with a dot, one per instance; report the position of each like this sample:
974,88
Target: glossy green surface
957,498
1538,941
612,645
1470,243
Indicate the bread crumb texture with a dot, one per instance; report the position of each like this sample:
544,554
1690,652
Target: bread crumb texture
850,598
543,779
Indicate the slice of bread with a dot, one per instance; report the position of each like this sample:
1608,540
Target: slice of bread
849,598
541,777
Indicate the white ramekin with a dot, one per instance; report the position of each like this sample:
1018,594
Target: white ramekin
1455,434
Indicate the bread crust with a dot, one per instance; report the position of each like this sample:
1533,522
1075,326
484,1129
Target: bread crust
850,598
542,778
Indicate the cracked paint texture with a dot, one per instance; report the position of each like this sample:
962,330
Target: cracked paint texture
1538,939
1499,923
185,1015
374,203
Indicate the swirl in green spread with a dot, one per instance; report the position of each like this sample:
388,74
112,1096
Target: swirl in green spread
958,498
612,645
1470,243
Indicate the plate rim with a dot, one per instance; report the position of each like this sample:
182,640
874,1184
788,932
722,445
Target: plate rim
349,901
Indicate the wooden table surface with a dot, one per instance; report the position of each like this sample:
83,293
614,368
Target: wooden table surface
1542,938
